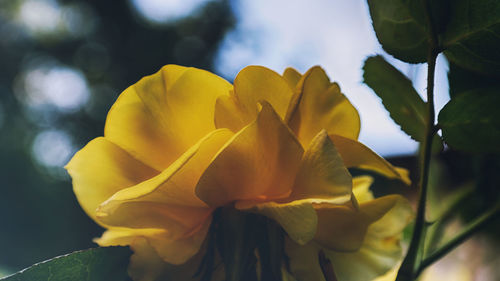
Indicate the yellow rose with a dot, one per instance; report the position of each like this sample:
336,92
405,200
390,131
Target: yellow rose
182,142
378,253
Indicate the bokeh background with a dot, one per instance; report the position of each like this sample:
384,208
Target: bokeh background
63,63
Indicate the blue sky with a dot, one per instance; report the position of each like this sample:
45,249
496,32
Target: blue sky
336,35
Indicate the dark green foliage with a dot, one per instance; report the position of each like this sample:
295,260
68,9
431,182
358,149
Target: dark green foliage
469,34
400,28
472,36
462,80
467,30
471,121
399,97
99,264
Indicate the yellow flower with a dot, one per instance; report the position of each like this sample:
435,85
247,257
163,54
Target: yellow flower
182,142
138,180
379,252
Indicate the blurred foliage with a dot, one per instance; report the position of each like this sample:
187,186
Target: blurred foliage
112,48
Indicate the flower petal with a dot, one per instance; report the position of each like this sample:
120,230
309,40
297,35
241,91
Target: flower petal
179,251
258,163
167,201
101,169
393,222
361,188
145,264
228,113
369,264
298,218
292,77
343,228
251,85
123,236
164,114
176,184
321,105
381,249
379,252
178,221
160,246
322,173
303,259
155,256
356,154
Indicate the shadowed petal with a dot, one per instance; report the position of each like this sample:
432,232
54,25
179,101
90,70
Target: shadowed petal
258,163
167,201
179,251
379,252
356,154
164,114
304,263
319,104
381,249
292,77
155,256
343,228
251,85
101,169
361,188
298,218
322,173
145,264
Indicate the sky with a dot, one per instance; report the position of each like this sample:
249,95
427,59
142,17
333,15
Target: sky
335,34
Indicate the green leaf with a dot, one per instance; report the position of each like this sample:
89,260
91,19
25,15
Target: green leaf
472,36
399,97
462,80
99,264
400,28
440,14
471,121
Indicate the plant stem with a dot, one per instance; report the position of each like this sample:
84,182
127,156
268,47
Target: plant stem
411,261
407,270
472,228
326,267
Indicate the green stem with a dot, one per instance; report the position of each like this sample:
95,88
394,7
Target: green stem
466,233
411,261
407,270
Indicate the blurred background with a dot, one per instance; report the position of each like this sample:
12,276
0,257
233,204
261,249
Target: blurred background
63,63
